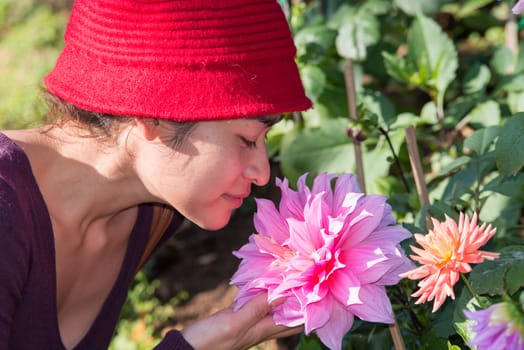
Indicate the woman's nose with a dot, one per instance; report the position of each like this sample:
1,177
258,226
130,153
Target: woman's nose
258,169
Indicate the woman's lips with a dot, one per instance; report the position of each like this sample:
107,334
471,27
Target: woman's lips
235,200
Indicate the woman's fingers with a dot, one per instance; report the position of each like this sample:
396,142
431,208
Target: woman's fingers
227,329
257,313
254,310
268,329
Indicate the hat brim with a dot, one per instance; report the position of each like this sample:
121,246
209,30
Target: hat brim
181,93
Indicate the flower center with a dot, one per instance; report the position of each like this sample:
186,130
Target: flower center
445,258
326,262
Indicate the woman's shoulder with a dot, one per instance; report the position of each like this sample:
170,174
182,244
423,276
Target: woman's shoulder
13,160
17,182
14,173
8,148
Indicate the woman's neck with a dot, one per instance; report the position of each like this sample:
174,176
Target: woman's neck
83,181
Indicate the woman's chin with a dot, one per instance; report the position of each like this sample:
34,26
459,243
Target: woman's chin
215,223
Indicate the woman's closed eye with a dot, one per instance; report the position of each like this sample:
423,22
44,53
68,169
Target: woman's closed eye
248,143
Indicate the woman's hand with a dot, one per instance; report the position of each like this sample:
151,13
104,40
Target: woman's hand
229,330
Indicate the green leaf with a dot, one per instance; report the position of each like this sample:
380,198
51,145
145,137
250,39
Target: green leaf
503,60
318,34
485,113
319,149
509,149
345,12
413,7
380,105
442,321
477,78
520,60
430,341
453,347
503,274
375,160
431,62
328,8
310,342
357,33
314,81
508,186
376,7
511,83
315,117
276,134
503,211
470,7
455,165
515,101
428,114
466,301
461,183
459,108
480,140
367,335
397,67
434,54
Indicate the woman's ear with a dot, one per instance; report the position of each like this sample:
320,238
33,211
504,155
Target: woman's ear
148,127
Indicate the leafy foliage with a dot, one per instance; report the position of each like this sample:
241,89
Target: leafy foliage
143,316
504,275
510,146
445,69
30,40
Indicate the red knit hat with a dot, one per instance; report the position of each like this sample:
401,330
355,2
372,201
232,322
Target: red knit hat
184,60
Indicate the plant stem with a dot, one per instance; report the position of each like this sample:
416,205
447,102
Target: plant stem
397,162
418,173
470,288
349,78
477,188
511,40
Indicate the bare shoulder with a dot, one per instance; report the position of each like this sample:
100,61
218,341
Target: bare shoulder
30,140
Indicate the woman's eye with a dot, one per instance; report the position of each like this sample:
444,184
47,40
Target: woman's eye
248,143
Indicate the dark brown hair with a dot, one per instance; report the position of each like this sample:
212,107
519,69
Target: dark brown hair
102,126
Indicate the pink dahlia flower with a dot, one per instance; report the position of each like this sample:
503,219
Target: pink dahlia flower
327,253
447,251
519,7
500,326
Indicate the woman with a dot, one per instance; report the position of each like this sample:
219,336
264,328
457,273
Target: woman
156,104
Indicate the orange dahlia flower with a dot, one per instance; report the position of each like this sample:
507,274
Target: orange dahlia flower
447,250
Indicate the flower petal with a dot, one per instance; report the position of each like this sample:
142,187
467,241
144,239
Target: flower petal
345,287
317,314
303,237
346,194
316,214
376,306
291,204
361,223
340,322
322,184
289,313
268,221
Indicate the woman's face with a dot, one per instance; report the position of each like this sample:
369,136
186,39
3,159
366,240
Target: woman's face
211,174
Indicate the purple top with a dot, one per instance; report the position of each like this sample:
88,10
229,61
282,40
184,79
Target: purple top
28,311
